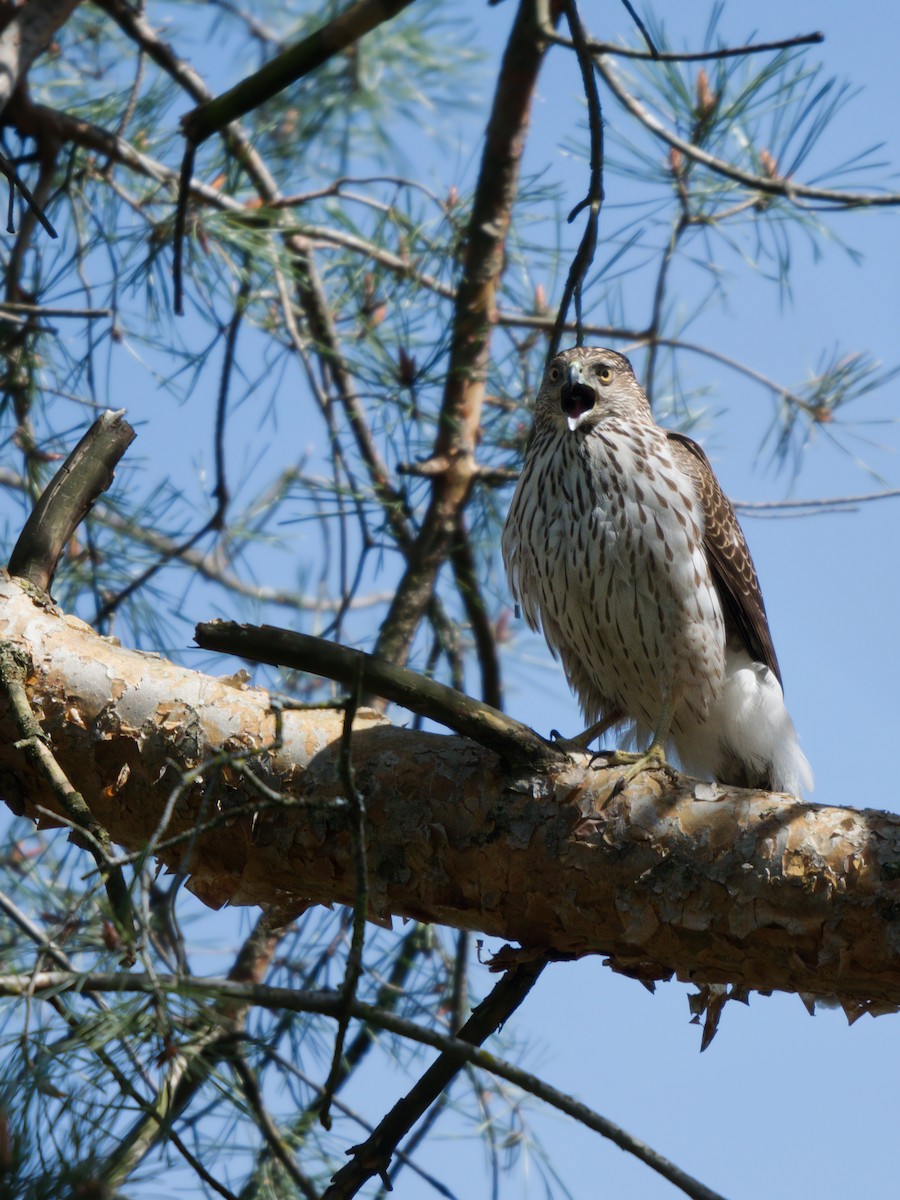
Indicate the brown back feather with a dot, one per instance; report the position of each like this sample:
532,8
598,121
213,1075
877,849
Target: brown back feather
729,558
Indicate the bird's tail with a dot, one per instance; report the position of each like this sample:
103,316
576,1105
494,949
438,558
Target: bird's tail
748,738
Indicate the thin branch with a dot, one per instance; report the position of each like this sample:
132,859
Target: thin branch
373,1156
461,405
328,1004
281,647
270,1131
216,519
786,188
632,12
584,255
86,474
288,66
612,48
829,502
51,310
16,183
465,571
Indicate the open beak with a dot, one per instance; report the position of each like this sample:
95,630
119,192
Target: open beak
576,397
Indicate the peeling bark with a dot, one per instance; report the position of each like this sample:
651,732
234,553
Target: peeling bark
670,878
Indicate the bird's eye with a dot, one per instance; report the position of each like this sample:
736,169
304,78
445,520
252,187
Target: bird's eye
604,374
554,374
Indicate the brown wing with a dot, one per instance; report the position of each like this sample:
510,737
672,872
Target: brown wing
729,559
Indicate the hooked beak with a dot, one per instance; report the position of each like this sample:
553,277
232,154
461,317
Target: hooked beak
576,397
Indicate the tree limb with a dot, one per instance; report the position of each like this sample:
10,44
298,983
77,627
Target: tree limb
474,313
670,878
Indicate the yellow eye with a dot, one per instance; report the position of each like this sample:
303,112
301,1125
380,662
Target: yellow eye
604,374
554,374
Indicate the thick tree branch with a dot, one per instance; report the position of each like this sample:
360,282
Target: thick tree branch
670,878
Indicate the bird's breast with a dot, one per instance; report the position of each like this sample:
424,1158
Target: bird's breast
607,553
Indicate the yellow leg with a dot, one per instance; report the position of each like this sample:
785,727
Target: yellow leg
653,756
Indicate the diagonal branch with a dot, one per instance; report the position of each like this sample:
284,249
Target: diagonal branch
373,1156
287,67
301,652
474,315
68,498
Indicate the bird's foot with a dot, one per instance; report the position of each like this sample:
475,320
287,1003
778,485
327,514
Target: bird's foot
653,757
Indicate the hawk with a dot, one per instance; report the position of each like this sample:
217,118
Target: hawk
620,543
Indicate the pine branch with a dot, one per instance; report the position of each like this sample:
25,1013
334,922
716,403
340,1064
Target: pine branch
474,311
289,66
328,1004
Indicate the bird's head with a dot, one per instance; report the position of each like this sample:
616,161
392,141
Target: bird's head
583,385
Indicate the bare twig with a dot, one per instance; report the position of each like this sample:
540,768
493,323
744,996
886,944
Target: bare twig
821,502
51,310
632,12
598,47
373,1156
584,255
86,473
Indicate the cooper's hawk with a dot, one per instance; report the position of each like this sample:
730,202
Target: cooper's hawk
621,544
